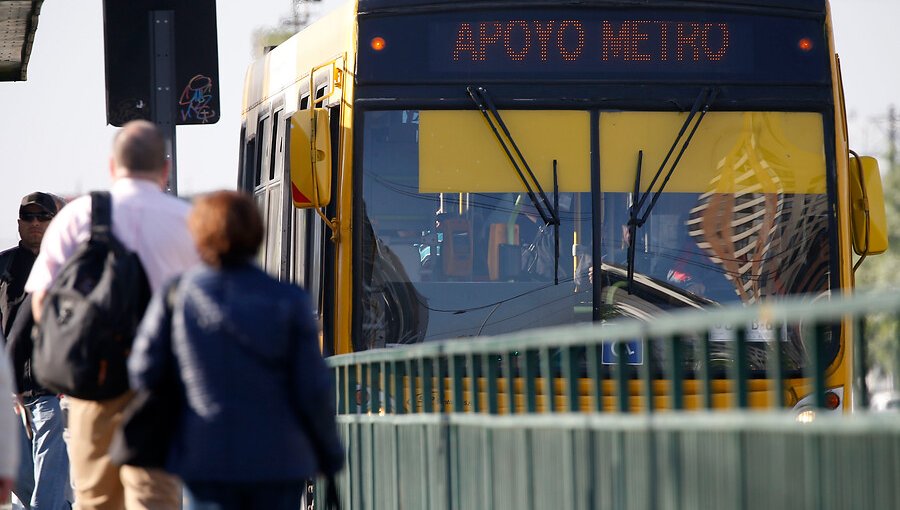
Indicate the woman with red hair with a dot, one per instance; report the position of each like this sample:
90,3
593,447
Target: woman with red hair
257,414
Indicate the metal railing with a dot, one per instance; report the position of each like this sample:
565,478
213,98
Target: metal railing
691,461
569,369
524,421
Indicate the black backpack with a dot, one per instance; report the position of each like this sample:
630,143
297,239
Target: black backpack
91,313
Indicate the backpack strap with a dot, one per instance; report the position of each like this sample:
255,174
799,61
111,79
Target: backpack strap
101,216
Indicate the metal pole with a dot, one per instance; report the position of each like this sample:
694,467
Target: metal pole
162,47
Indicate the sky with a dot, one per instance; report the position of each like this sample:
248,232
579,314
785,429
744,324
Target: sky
54,137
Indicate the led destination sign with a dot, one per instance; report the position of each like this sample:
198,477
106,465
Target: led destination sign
610,45
592,44
651,41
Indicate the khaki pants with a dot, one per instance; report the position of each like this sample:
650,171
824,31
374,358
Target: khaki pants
100,484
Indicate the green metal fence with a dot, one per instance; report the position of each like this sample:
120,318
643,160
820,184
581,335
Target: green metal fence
523,421
688,461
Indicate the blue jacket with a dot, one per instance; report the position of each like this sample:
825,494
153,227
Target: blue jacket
258,397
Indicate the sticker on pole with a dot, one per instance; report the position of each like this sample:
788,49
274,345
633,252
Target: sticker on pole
633,352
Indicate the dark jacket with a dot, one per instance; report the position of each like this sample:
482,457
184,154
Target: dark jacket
20,347
17,319
259,399
15,265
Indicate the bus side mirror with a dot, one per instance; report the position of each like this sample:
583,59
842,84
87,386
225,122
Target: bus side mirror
310,158
869,224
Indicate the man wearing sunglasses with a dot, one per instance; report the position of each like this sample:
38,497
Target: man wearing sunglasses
35,213
43,480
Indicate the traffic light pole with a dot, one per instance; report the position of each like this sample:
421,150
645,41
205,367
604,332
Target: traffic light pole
162,47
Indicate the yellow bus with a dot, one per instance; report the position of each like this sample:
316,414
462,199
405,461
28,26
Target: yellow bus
435,169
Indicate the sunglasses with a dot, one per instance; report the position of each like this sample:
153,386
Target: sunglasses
26,216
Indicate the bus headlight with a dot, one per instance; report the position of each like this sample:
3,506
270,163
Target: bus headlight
808,415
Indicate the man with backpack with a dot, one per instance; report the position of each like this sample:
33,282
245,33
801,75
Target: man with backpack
148,223
43,480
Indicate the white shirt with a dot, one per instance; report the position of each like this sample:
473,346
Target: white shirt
146,220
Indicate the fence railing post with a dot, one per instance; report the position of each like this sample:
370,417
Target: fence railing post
399,371
426,369
817,347
570,378
441,376
741,392
623,392
776,367
412,385
860,363
474,370
492,373
548,381
594,355
646,344
364,390
351,390
340,397
509,371
375,388
676,372
457,373
386,379
705,371
531,368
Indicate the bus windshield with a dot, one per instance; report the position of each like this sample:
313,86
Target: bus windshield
451,245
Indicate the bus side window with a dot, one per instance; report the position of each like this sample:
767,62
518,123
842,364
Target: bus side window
260,197
250,168
300,248
269,191
274,145
260,149
246,150
278,203
304,102
273,240
309,263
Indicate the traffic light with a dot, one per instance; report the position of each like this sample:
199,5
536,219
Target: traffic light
129,58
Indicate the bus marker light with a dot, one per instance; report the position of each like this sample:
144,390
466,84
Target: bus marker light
378,43
805,44
832,400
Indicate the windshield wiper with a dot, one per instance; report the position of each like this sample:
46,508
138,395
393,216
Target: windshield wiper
556,226
483,101
633,220
637,217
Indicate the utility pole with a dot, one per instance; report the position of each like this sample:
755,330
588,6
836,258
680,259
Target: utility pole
299,13
299,16
162,45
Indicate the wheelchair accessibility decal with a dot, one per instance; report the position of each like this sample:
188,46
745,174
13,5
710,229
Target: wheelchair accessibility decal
633,352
